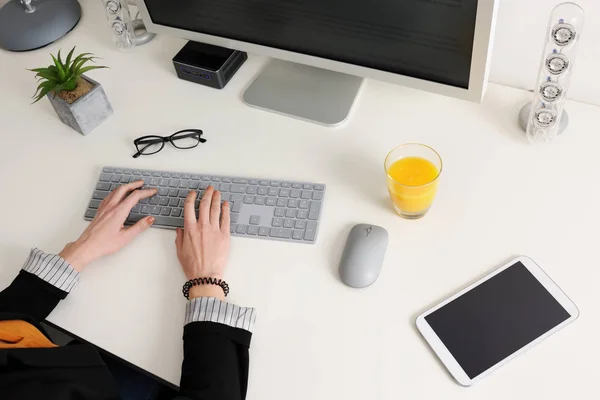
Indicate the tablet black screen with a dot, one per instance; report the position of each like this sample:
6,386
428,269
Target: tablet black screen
495,319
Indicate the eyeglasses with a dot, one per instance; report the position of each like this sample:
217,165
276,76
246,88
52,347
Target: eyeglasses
186,139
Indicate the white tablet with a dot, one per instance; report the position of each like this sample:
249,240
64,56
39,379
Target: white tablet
495,319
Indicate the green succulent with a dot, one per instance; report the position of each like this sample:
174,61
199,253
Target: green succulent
62,76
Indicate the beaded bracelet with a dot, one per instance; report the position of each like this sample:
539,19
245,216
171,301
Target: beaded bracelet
204,281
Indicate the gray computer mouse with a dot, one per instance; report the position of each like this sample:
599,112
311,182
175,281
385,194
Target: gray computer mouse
363,255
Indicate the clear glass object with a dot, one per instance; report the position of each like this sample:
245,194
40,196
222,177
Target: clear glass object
119,19
562,37
413,172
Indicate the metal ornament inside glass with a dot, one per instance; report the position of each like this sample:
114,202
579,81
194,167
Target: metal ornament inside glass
557,63
545,117
550,91
113,6
563,34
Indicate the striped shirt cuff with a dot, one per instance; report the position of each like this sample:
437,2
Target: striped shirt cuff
209,309
53,269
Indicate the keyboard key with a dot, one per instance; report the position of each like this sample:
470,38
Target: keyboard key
118,171
147,173
236,197
166,175
253,182
203,186
288,223
251,190
105,177
135,217
174,202
166,211
317,195
259,200
224,187
156,174
90,213
163,201
145,210
302,214
155,210
279,212
237,206
103,186
255,220
241,229
153,181
237,189
144,201
271,201
186,176
280,233
297,185
298,235
168,221
107,169
277,222
293,203
248,199
263,231
176,212
306,194
281,202
184,183
286,184
173,192
183,193
252,230
273,192
113,186
205,178
275,183
304,204
94,204
174,183
227,180
311,230
238,180
136,178
234,218
163,182
295,194
127,171
262,190
300,224
176,175
315,207
224,196
99,195
116,178
193,184
215,179
181,202
284,192
307,186
163,191
291,213
153,200
232,228
264,183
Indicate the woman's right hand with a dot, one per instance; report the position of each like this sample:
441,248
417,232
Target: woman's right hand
203,243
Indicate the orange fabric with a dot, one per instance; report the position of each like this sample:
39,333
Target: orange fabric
20,334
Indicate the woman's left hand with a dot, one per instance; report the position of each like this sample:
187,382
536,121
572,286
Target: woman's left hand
107,234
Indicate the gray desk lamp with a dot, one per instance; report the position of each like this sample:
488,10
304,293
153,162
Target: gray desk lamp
28,25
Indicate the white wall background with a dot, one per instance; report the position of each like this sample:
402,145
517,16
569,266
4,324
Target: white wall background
519,40
520,37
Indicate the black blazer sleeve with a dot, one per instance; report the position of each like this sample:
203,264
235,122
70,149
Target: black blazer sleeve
215,365
30,295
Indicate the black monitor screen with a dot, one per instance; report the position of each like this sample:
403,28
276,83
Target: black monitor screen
426,39
495,319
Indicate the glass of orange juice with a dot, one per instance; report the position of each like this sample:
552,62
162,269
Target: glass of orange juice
413,171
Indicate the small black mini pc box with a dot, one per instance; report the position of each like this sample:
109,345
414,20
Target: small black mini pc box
208,65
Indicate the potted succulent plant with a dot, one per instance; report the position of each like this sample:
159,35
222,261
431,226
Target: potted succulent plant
79,102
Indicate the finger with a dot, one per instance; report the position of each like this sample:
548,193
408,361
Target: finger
189,215
105,202
179,239
120,192
136,196
205,206
215,208
130,233
226,218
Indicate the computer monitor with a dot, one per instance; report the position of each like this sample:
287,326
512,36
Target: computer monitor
325,47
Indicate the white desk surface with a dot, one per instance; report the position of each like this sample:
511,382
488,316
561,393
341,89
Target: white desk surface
315,338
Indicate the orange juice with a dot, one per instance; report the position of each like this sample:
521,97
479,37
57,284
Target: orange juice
412,183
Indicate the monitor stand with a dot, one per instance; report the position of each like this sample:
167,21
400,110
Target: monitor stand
300,91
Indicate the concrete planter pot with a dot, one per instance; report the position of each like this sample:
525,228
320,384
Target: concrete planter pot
85,113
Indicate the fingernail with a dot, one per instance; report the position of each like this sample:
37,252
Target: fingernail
150,220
